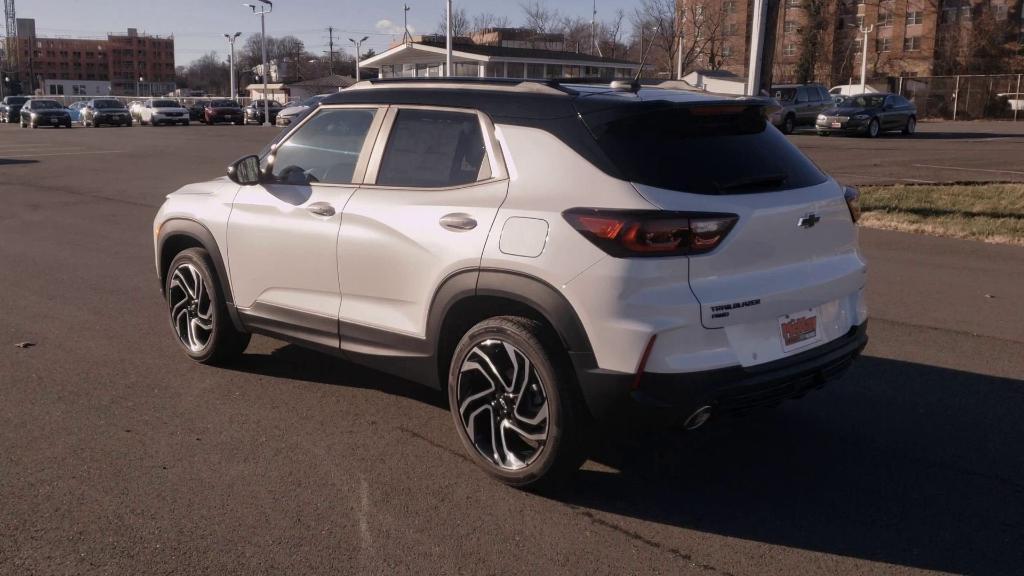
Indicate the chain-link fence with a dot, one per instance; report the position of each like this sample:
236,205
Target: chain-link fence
996,97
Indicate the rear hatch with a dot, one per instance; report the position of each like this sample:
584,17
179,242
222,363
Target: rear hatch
793,250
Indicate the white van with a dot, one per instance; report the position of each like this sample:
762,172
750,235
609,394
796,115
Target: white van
851,90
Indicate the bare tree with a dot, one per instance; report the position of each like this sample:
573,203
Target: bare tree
659,23
460,22
609,35
486,20
539,17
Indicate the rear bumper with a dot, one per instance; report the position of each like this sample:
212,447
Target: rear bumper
669,398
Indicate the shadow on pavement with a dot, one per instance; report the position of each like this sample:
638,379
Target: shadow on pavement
899,463
13,161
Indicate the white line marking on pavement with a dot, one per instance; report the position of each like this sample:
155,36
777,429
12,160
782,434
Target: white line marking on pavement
918,181
64,153
969,169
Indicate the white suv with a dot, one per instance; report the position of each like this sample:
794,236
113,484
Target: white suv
551,255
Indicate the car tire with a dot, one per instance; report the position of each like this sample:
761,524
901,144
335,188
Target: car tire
788,124
911,126
198,316
542,445
874,128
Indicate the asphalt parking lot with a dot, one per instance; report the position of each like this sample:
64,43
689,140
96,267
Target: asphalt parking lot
120,456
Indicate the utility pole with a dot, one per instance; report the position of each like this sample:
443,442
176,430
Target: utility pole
762,45
865,30
234,85
593,30
406,37
448,40
330,44
359,50
263,41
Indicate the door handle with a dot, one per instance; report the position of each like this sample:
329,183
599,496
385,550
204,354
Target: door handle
321,209
458,222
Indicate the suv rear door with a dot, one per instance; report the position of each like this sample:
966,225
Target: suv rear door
433,188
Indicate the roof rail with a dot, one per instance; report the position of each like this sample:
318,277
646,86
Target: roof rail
468,83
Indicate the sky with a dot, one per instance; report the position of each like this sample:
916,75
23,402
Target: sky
198,25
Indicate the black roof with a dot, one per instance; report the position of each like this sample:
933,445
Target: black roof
507,99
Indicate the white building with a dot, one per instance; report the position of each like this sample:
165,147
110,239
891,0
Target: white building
425,57
58,87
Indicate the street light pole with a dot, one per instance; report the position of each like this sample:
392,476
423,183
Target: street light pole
448,40
865,30
234,85
359,51
263,42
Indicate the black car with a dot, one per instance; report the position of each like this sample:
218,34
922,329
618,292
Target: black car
254,111
869,114
38,112
195,111
105,111
223,111
10,107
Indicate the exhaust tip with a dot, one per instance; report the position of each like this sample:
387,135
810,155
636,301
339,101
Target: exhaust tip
698,418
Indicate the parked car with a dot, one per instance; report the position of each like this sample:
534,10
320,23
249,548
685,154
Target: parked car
196,110
657,250
75,111
223,111
163,111
290,113
869,114
851,90
42,112
10,108
801,104
254,111
105,111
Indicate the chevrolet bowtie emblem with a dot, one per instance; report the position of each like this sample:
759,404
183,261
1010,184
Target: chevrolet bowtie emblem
808,221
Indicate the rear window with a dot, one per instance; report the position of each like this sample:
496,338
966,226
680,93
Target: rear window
726,149
784,94
16,100
224,104
108,104
165,104
45,105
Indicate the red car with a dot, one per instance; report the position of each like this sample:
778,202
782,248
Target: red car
223,111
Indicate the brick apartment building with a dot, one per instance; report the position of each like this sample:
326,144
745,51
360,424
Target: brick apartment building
120,59
909,38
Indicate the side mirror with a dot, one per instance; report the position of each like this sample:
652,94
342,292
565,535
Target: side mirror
245,171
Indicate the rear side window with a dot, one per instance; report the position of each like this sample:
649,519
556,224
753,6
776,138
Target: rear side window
325,149
726,149
434,149
803,94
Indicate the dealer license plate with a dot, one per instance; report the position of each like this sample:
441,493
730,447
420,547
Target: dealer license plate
837,124
799,329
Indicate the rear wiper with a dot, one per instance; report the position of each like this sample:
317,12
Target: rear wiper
752,181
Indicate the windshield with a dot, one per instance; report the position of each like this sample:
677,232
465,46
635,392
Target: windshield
715,149
784,94
165,104
108,104
864,101
45,105
224,104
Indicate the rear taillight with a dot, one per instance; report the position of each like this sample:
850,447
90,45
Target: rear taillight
852,196
632,233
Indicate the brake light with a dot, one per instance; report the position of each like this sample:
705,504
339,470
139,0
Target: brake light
852,196
631,233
